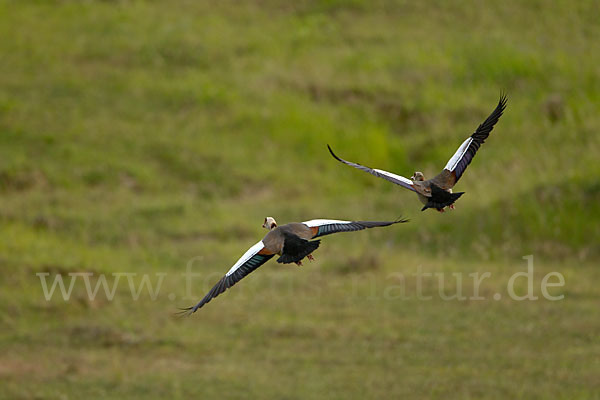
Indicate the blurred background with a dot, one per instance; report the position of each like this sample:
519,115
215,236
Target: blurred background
146,136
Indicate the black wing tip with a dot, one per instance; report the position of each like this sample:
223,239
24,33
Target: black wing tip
503,100
378,224
185,312
484,129
333,154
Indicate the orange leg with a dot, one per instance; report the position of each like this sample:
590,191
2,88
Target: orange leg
299,263
310,257
451,206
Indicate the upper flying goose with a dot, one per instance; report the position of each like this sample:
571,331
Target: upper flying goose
437,191
292,242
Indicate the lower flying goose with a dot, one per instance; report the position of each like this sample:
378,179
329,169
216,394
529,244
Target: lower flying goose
437,192
292,242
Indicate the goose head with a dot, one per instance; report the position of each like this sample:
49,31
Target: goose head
269,223
417,177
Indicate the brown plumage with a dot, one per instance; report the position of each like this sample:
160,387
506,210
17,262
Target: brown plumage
437,192
292,242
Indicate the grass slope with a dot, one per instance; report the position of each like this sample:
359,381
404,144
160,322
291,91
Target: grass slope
138,135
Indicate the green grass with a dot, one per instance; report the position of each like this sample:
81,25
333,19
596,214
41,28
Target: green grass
137,135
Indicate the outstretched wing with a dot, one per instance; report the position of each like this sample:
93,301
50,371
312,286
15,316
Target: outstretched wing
322,227
457,165
388,176
256,256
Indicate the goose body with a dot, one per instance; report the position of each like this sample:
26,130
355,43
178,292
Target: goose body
292,242
436,192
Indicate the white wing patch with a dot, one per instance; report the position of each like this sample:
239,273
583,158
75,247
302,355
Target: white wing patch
400,178
247,255
453,162
320,222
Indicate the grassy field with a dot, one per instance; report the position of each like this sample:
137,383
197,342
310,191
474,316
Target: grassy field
145,136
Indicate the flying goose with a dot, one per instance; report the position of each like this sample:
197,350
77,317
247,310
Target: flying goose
292,242
437,191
